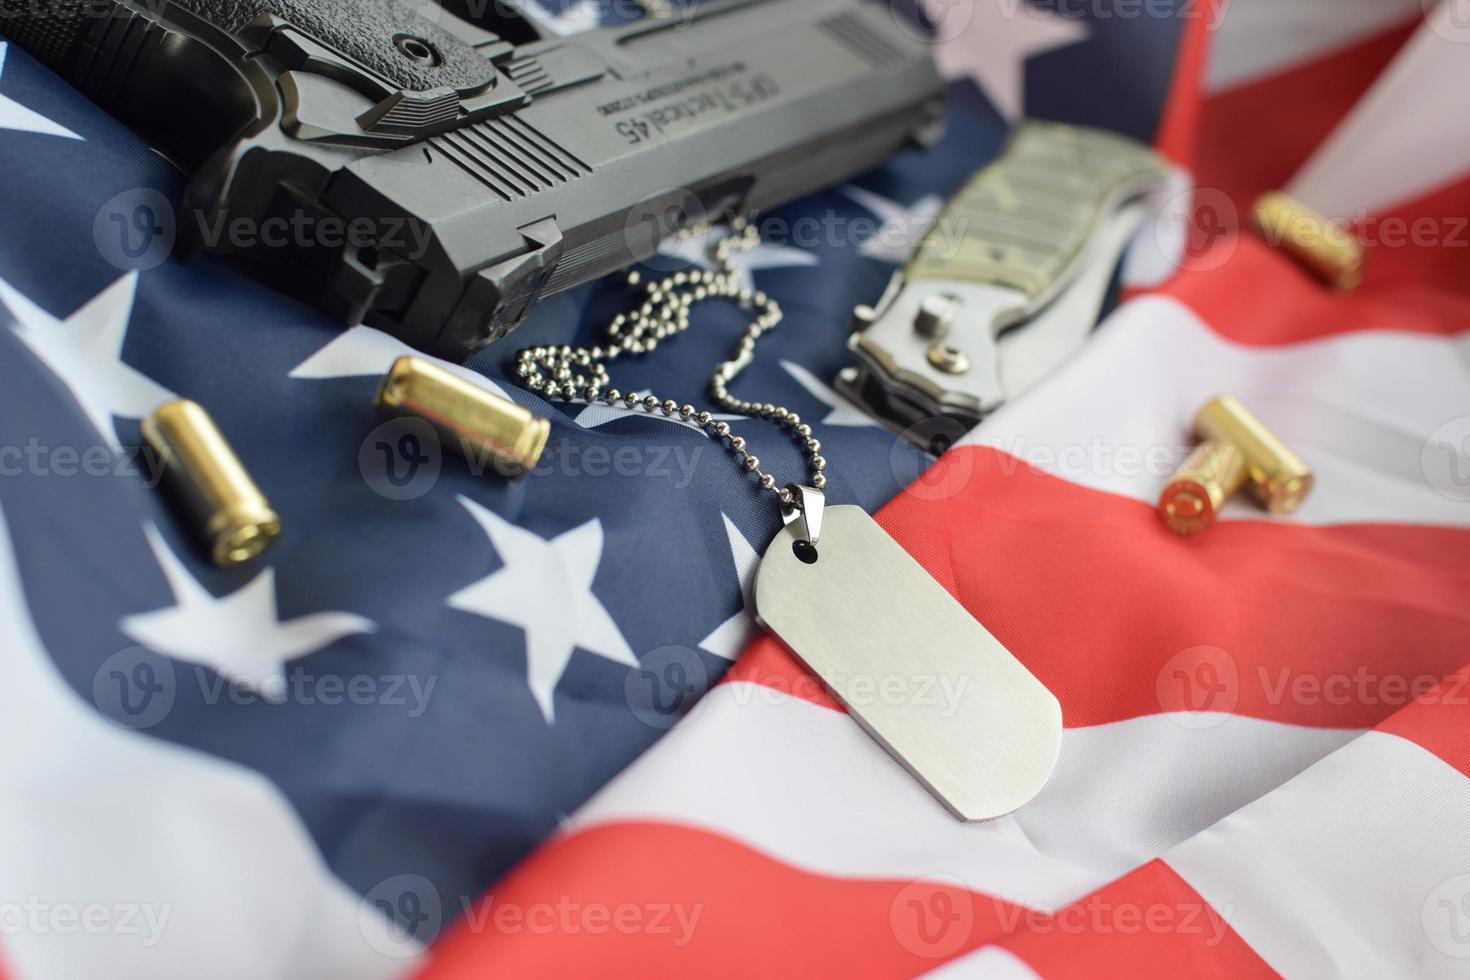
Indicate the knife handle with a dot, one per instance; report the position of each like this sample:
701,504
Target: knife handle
1025,221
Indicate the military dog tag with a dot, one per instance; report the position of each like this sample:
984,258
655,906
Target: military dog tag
915,669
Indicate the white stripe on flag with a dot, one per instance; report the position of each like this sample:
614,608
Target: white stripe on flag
1260,38
1361,408
1125,792
806,786
1360,867
1407,136
985,963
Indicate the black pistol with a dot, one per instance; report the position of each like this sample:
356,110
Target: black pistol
467,161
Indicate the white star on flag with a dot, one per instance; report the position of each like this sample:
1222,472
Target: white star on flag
843,411
991,41
85,352
903,227
696,251
17,117
363,351
240,636
602,413
730,637
545,588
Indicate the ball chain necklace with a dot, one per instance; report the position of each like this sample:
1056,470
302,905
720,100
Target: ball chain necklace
910,664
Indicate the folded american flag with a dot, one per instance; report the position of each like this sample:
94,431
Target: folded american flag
315,769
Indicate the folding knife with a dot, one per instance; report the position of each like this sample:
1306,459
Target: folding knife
1009,280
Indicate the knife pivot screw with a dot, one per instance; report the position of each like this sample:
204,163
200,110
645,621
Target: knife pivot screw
950,360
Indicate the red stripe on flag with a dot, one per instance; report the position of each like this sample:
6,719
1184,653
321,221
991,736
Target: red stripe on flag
1334,627
647,899
1417,280
1254,138
1148,924
1178,132
586,905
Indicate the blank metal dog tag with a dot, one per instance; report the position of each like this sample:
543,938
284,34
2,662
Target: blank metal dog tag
915,669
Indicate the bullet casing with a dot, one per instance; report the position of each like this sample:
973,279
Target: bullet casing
468,417
203,473
1192,500
1278,477
1327,249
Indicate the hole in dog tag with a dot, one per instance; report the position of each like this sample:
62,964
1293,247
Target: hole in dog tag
912,666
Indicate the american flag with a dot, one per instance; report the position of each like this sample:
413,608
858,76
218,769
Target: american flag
456,727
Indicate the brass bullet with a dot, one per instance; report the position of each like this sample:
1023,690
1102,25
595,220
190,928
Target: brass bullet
477,422
1192,500
1326,248
1278,477
203,473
